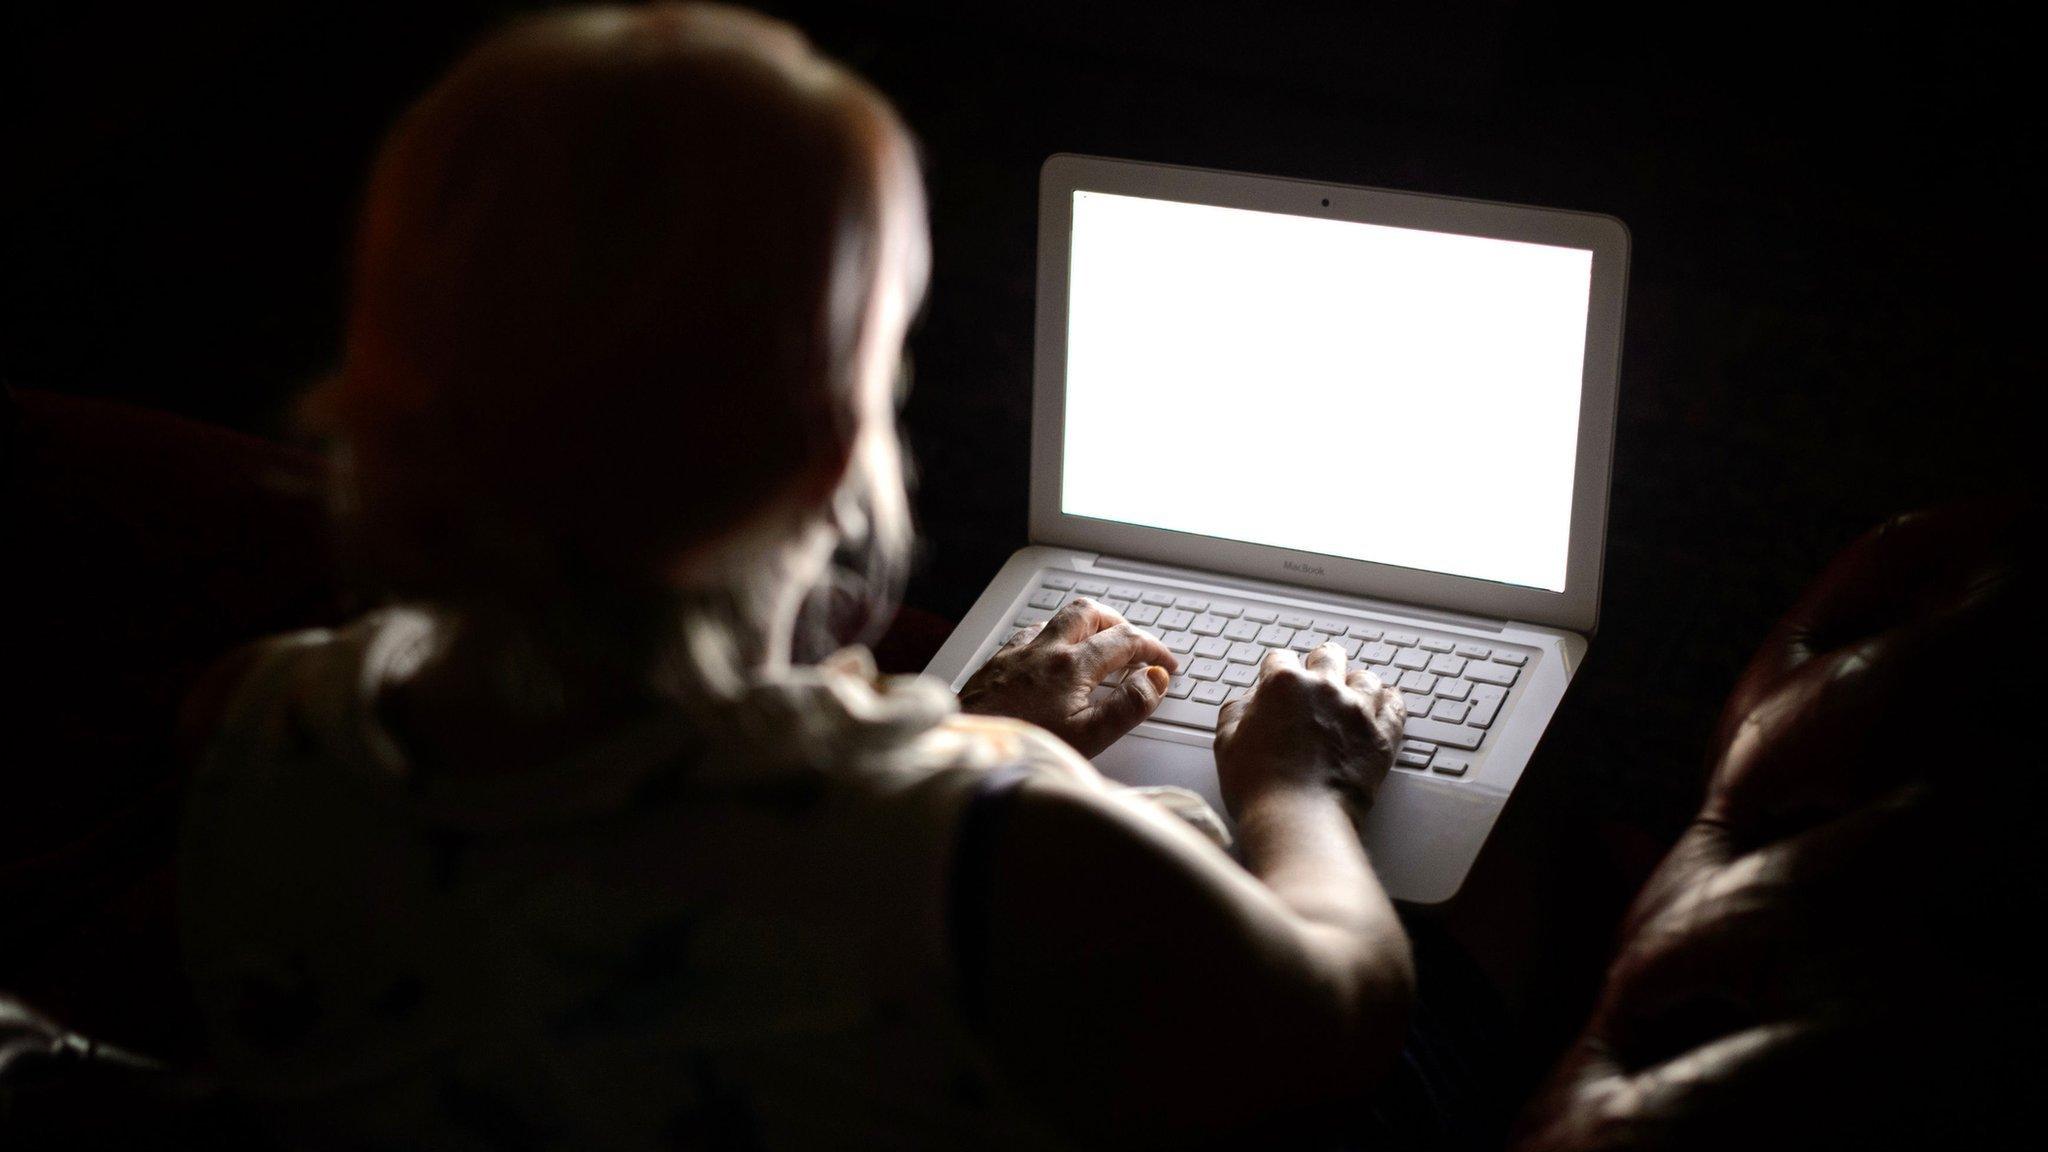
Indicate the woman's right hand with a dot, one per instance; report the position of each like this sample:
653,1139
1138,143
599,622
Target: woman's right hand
1308,724
1047,673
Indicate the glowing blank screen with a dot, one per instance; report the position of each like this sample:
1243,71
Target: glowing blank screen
1384,394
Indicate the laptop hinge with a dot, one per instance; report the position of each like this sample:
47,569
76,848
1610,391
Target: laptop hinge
1253,586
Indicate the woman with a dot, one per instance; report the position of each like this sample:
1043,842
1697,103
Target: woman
569,848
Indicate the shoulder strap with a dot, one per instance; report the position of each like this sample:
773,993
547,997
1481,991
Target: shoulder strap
981,820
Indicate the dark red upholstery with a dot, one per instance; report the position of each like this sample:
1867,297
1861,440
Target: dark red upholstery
141,548
1839,952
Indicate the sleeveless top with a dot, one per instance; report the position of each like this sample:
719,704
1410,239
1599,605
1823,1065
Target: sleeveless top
673,938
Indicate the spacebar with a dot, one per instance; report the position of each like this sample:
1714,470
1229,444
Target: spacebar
1196,715
1189,712
1438,732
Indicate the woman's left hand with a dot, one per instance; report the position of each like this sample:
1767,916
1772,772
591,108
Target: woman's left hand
1046,673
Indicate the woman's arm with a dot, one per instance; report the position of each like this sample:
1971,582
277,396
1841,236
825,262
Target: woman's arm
1143,987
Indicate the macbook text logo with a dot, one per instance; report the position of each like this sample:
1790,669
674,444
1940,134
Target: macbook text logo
1304,569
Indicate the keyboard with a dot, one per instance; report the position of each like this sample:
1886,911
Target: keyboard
1455,688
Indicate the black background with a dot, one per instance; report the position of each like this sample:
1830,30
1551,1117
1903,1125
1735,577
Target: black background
1823,326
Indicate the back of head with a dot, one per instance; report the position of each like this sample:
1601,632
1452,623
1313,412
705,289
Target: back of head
613,278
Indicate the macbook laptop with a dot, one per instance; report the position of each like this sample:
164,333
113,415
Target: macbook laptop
1269,413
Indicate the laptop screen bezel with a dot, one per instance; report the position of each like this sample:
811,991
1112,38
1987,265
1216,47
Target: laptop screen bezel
1576,607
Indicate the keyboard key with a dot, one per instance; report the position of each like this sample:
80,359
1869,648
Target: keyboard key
1438,732
1515,658
1212,693
1274,636
1116,604
1179,641
1366,632
1474,651
1206,668
1453,689
1305,641
1262,615
1192,603
1294,620
1377,653
1247,653
1451,765
1191,712
1412,758
1032,616
1450,711
1352,646
1241,630
1179,687
1403,639
1173,619
1142,614
1236,694
1047,598
1486,702
1436,644
1333,627
1447,665
1091,588
1207,625
1149,630
1420,683
1214,647
1125,592
1231,611
1411,658
1240,674
1416,705
1063,583
1159,599
1491,673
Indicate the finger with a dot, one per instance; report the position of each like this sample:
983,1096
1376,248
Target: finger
1326,660
1277,661
1120,647
1077,620
1104,721
1228,716
1390,712
1369,683
1023,636
1390,699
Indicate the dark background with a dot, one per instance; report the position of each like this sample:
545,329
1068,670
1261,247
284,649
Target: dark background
1822,326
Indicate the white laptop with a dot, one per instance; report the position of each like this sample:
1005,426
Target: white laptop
1269,413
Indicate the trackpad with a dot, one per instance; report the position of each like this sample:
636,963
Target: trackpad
1140,760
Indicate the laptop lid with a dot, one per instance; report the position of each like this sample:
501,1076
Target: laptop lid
1398,396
